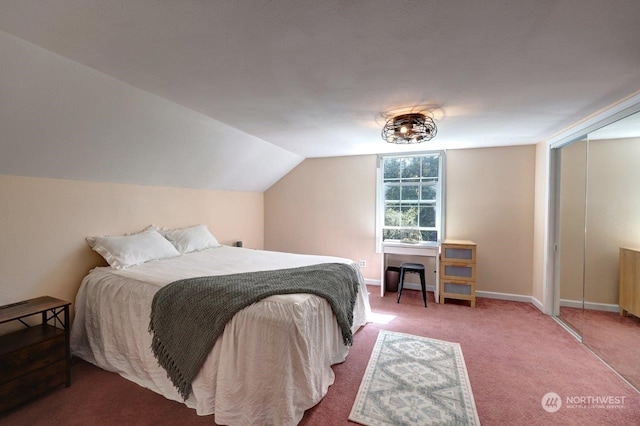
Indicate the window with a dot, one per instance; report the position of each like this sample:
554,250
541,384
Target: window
410,197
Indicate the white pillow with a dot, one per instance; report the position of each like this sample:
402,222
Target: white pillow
128,250
193,238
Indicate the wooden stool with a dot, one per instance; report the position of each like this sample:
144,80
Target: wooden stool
414,268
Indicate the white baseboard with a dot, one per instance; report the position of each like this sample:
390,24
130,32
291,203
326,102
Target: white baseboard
607,307
517,298
512,297
538,304
488,294
507,296
410,286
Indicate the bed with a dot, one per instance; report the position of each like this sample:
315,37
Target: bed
272,362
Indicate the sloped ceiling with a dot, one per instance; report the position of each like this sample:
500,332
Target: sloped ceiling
268,83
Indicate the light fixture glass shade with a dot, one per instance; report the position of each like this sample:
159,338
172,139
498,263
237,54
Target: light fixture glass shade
409,128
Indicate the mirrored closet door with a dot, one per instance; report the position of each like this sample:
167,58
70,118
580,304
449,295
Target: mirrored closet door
598,238
571,204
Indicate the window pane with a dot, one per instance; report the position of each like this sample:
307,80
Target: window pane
429,235
392,192
410,192
391,234
409,197
391,168
392,216
411,234
430,167
428,217
410,167
428,193
409,216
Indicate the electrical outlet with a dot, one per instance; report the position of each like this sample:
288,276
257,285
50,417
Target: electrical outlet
362,263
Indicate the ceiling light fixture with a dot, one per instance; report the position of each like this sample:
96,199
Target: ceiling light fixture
409,128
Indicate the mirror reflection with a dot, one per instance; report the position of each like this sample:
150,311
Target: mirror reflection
599,243
571,210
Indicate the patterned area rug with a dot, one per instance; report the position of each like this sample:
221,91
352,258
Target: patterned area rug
413,380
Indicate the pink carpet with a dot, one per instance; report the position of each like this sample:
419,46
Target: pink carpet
514,355
616,339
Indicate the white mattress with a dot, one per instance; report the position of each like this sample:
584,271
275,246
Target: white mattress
271,363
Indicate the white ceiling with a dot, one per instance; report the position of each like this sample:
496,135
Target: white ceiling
313,77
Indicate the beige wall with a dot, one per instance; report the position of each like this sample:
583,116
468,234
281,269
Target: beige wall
613,213
44,223
490,198
573,163
327,206
541,207
324,206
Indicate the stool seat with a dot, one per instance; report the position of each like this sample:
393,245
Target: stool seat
415,268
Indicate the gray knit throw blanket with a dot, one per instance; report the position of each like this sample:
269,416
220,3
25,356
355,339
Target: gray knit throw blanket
188,316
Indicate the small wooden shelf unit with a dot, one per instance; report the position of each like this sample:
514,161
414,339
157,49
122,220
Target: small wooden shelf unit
37,358
458,271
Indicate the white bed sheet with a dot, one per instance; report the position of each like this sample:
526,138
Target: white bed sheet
272,362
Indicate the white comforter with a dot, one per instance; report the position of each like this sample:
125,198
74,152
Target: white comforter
271,363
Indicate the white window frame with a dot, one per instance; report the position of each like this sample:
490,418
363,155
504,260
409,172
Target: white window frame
440,194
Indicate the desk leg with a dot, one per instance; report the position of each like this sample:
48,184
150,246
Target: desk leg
436,293
383,274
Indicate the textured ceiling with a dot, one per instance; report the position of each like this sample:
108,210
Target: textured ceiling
313,77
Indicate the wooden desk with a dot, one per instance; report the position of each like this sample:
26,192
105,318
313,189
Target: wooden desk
409,251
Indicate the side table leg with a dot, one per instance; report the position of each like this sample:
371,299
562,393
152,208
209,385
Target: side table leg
67,338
